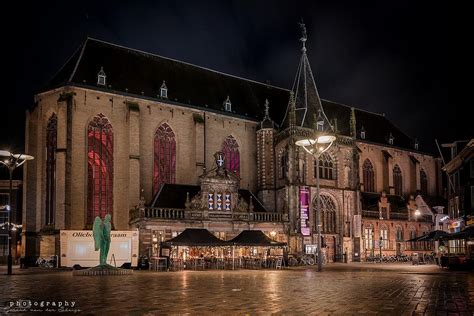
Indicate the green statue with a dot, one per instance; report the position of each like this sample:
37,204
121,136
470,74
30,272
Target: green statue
101,231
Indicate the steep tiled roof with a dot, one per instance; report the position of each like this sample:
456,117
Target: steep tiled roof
174,196
141,74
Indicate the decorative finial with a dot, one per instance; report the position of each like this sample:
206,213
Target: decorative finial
304,37
267,115
292,112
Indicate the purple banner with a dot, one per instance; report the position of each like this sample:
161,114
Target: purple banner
304,211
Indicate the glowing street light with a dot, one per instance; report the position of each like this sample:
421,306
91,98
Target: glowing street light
320,142
11,161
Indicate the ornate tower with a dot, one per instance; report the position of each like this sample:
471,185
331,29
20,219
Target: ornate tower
266,160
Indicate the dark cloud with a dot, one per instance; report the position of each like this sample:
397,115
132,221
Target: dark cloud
406,59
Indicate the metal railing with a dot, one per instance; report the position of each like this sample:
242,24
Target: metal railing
177,214
397,216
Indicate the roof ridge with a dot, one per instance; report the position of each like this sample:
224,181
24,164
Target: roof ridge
80,47
357,108
186,63
399,129
78,59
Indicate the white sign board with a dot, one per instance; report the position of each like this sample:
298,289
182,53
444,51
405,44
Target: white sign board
77,247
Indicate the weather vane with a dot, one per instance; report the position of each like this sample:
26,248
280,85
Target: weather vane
303,32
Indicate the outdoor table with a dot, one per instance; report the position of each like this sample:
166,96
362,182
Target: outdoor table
158,263
176,264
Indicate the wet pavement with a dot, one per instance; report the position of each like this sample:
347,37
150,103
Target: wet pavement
383,289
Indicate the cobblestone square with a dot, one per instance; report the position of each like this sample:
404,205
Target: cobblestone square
383,289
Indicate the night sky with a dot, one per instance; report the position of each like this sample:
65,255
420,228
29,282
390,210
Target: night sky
409,61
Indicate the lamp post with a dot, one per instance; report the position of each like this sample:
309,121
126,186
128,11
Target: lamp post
380,247
316,146
11,161
373,243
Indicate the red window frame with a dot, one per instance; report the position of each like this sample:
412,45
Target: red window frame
164,165
99,168
230,148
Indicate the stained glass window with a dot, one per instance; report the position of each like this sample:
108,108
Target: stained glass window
100,168
368,176
230,148
164,170
51,146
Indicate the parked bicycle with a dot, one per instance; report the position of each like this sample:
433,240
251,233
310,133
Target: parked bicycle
302,260
46,262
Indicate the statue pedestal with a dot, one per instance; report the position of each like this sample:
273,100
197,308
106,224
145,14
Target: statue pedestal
99,270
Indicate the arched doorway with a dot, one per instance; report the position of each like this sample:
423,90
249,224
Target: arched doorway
329,227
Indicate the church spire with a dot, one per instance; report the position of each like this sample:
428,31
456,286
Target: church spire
267,121
352,123
307,103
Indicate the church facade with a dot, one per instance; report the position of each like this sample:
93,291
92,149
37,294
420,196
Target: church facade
163,145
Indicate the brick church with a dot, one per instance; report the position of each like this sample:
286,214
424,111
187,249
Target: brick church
164,145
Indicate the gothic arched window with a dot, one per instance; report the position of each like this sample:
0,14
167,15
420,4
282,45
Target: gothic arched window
368,176
399,235
230,148
327,168
423,182
51,146
100,168
384,237
328,214
164,170
397,180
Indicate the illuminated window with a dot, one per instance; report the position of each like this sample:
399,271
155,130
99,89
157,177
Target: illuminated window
423,182
328,214
326,167
368,176
397,180
362,133
51,146
100,168
384,237
164,170
368,237
101,77
230,148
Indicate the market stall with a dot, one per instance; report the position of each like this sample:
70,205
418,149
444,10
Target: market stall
256,250
460,249
196,249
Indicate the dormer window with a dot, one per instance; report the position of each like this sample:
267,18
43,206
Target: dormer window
164,91
416,144
320,122
227,105
101,77
362,133
391,139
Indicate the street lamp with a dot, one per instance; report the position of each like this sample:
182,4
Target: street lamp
317,145
380,247
11,161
